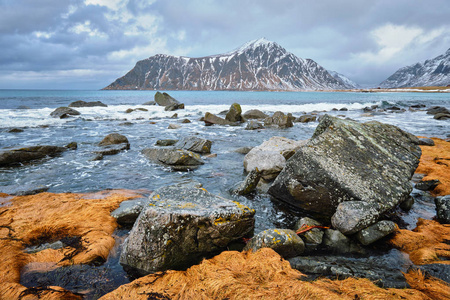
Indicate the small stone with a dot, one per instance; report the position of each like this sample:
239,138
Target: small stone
72,146
443,209
427,185
15,130
174,126
254,125
166,143
313,237
130,110
249,184
284,241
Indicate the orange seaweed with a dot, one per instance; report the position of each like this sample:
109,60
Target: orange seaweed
47,217
426,243
435,164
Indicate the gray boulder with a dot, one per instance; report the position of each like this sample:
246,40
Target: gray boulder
375,232
179,160
354,172
254,114
149,103
283,241
280,120
170,103
254,125
180,226
270,157
194,144
81,103
114,139
234,113
64,112
128,211
211,119
443,209
14,157
442,116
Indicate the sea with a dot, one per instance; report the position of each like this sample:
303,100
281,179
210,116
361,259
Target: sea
77,171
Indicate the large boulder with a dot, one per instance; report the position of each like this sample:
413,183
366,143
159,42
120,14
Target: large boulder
234,113
280,120
270,157
81,103
13,157
170,103
194,144
360,170
284,241
180,226
254,114
64,112
211,119
176,159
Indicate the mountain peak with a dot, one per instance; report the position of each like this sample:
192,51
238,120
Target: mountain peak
261,42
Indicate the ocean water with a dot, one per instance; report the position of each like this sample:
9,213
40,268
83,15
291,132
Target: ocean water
75,171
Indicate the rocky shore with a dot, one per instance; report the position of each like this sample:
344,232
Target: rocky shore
348,186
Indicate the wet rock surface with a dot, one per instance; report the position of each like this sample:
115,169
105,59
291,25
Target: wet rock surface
440,271
128,211
64,112
194,144
23,190
180,226
375,232
234,113
114,139
249,184
384,270
177,159
15,157
254,114
443,209
369,164
284,241
81,103
211,119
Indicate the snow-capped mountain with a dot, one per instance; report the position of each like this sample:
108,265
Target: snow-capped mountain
257,65
432,72
348,83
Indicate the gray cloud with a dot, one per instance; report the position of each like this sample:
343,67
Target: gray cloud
54,37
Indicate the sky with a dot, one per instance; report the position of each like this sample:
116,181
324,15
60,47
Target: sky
87,44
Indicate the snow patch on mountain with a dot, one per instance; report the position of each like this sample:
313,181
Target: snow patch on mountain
348,83
432,72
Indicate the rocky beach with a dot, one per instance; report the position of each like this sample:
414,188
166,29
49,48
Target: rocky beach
215,195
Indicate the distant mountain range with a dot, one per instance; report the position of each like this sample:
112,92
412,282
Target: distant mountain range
259,65
432,72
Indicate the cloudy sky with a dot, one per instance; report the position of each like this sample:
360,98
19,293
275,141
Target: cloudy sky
87,44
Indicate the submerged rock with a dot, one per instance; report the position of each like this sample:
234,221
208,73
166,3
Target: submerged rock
284,241
354,172
81,103
176,159
64,112
23,190
385,271
194,144
180,226
13,157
